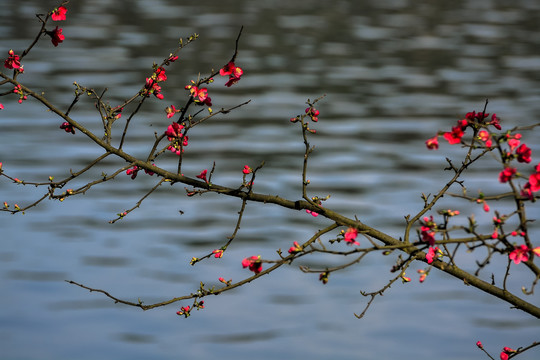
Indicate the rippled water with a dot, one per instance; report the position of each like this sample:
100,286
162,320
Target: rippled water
394,72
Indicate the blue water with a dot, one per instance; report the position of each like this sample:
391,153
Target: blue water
394,72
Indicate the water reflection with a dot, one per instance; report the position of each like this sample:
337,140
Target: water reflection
394,73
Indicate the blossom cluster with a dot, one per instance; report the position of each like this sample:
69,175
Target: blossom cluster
427,230
254,264
200,95
522,252
152,83
457,132
234,72
177,138
132,172
350,236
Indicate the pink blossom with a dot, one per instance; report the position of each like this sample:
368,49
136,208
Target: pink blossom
513,143
13,61
174,131
433,143
200,95
171,110
507,174
523,154
247,169
202,175
480,116
234,72
534,180
133,172
1,107
56,36
495,121
520,253
254,263
479,344
427,230
485,137
432,254
454,136
350,236
160,74
59,14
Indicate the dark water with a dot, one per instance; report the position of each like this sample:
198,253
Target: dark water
394,72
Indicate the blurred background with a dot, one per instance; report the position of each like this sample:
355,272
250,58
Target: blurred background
394,73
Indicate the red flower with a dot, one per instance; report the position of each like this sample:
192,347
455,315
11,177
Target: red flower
67,127
152,87
479,344
523,153
534,180
1,107
454,136
350,236
507,174
247,169
427,230
227,69
520,253
234,73
12,62
56,36
59,14
432,254
174,131
513,143
133,172
160,74
485,137
433,143
202,175
200,95
495,121
254,263
170,110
